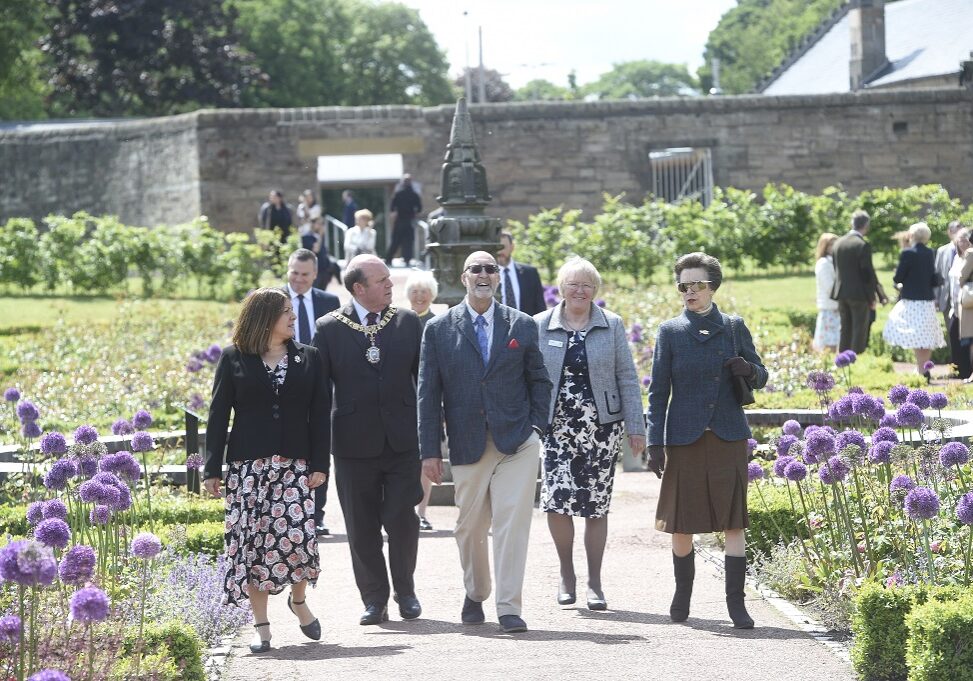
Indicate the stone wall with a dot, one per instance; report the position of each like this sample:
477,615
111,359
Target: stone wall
221,163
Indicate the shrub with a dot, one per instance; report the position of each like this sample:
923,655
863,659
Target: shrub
206,538
772,520
547,239
176,641
20,255
941,641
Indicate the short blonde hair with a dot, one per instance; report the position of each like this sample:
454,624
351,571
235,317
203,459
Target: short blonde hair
422,279
824,243
575,265
364,213
920,233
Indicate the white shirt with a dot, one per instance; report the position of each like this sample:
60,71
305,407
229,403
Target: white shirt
363,313
358,240
955,270
488,317
309,306
514,284
824,277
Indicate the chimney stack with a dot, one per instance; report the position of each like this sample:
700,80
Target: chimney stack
866,23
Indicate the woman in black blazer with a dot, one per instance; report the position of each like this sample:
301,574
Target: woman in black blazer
914,323
275,388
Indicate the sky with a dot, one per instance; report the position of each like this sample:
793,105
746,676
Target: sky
528,39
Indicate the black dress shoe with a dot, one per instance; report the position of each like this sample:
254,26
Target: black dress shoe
312,630
322,530
374,614
263,646
596,600
566,598
472,612
409,607
512,624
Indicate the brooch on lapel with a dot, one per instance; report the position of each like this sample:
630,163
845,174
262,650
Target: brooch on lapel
704,332
297,359
513,344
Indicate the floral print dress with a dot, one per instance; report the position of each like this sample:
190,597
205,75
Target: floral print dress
269,534
579,453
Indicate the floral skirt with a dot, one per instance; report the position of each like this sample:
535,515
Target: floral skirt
269,535
827,330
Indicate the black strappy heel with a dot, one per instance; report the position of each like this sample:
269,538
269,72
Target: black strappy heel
264,645
312,630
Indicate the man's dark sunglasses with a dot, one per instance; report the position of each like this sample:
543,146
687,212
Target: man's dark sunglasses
476,269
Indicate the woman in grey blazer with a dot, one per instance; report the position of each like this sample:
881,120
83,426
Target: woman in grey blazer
586,351
695,418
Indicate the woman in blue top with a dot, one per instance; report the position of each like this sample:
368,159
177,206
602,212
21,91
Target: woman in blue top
698,432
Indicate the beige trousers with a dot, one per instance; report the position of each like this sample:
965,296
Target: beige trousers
497,490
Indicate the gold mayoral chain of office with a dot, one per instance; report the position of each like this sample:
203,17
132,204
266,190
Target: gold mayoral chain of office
372,354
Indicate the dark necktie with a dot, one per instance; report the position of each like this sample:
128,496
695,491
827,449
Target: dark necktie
508,290
371,319
481,338
303,322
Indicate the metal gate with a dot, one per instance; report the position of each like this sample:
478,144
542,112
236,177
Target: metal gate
681,173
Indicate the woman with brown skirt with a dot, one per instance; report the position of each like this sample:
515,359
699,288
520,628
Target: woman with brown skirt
698,432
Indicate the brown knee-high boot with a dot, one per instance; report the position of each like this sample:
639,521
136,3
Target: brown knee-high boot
684,569
736,575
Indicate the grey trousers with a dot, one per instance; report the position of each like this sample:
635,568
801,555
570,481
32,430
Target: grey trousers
855,325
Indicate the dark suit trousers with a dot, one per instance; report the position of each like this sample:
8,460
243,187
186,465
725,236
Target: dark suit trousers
403,237
959,355
321,499
855,325
375,493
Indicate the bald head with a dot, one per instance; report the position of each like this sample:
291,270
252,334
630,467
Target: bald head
480,257
481,285
367,278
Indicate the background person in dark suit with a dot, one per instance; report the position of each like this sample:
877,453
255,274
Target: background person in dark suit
309,305
277,454
481,365
370,353
406,204
520,284
856,286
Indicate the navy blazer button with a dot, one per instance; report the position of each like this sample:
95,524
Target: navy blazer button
276,407
276,416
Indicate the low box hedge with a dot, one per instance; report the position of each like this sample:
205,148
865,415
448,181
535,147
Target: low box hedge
940,644
172,651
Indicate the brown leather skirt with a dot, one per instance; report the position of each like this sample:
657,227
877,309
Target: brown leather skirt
704,487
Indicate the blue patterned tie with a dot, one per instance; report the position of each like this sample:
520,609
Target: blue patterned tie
303,322
481,338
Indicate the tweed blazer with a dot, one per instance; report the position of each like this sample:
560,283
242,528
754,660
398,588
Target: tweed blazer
855,277
611,371
691,390
509,396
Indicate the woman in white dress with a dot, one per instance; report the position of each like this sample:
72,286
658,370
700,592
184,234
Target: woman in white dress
360,238
827,330
913,323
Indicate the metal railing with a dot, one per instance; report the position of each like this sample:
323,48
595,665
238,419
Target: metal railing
334,236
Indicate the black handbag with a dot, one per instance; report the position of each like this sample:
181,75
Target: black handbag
741,388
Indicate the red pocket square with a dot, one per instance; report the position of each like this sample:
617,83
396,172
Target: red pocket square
513,344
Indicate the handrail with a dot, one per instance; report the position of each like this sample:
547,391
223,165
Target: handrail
332,241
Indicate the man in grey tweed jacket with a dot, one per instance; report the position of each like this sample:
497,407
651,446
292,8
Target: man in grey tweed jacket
480,363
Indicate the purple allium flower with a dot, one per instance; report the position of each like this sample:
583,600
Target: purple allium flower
87,465
100,515
856,389
781,463
921,503
954,454
909,415
889,421
852,356
751,445
784,444
964,509
860,403
53,532
876,408
600,302
89,604
820,381
124,500
55,508
194,462
918,397
77,565
646,381
791,427
143,419
30,430
841,360
142,442
196,401
928,365
122,427
850,437
820,443
28,563
49,675
27,411
754,471
85,434
193,365
895,579
938,400
121,464
10,629
795,471
91,491
35,512
53,444
213,352
833,470
11,394
881,451
61,471
108,479
898,394
885,434
901,483
146,545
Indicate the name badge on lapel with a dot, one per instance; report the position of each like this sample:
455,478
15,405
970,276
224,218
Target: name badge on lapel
556,343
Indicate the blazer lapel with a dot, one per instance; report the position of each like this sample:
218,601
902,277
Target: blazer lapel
255,367
296,361
501,328
703,329
351,313
465,325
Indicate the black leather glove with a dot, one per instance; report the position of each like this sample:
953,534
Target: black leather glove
657,459
739,367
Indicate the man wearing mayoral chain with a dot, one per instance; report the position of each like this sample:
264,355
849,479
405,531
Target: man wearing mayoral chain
370,352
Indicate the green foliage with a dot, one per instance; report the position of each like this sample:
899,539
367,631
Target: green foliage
205,537
641,79
540,90
754,37
940,646
176,641
495,86
624,239
20,261
547,238
773,520
22,86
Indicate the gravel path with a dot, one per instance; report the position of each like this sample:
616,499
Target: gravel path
634,639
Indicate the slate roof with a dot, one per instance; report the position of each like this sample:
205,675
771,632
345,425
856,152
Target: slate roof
923,38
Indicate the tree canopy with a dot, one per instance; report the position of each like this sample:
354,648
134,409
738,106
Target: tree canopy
642,79
496,87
